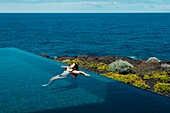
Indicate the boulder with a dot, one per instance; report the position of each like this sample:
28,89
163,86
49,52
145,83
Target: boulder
44,55
153,60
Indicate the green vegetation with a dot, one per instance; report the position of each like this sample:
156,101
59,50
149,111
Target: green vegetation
99,66
115,69
146,77
141,84
92,65
162,87
120,66
66,61
162,76
132,79
103,66
77,61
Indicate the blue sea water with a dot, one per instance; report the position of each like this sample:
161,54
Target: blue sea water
134,35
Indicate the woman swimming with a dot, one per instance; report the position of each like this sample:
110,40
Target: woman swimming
72,70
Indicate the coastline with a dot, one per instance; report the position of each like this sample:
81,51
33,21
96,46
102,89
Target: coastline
151,74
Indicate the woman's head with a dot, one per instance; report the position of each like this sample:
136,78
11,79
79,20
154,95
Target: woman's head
74,66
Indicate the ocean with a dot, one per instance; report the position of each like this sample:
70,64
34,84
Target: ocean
135,35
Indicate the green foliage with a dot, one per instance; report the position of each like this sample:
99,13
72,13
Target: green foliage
92,65
160,76
99,66
141,84
77,61
66,61
162,87
103,66
132,79
146,77
121,66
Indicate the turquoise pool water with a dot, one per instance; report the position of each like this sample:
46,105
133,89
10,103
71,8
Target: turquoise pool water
23,73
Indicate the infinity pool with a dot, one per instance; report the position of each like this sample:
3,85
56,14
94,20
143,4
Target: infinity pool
23,73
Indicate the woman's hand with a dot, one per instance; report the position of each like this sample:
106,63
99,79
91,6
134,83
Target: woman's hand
64,66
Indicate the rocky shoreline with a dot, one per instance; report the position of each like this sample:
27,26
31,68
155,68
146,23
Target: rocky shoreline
151,74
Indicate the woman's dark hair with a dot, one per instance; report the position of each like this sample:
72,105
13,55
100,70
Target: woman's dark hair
74,68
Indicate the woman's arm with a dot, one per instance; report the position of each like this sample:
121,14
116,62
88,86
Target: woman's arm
64,66
80,72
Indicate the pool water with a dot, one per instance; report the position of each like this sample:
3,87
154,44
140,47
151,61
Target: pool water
22,75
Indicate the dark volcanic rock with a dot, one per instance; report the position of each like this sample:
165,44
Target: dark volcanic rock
98,59
82,56
145,67
61,58
44,55
165,62
142,67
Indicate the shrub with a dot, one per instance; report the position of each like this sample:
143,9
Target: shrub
146,77
129,78
132,79
141,84
166,67
153,60
121,66
77,61
66,61
110,75
162,87
161,76
92,65
103,66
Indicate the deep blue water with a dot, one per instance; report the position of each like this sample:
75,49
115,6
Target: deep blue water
141,35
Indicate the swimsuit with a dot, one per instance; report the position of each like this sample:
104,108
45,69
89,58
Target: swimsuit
64,74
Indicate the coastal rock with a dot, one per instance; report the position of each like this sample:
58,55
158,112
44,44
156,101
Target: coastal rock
110,59
61,58
82,56
153,60
165,67
93,59
146,67
44,55
166,62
